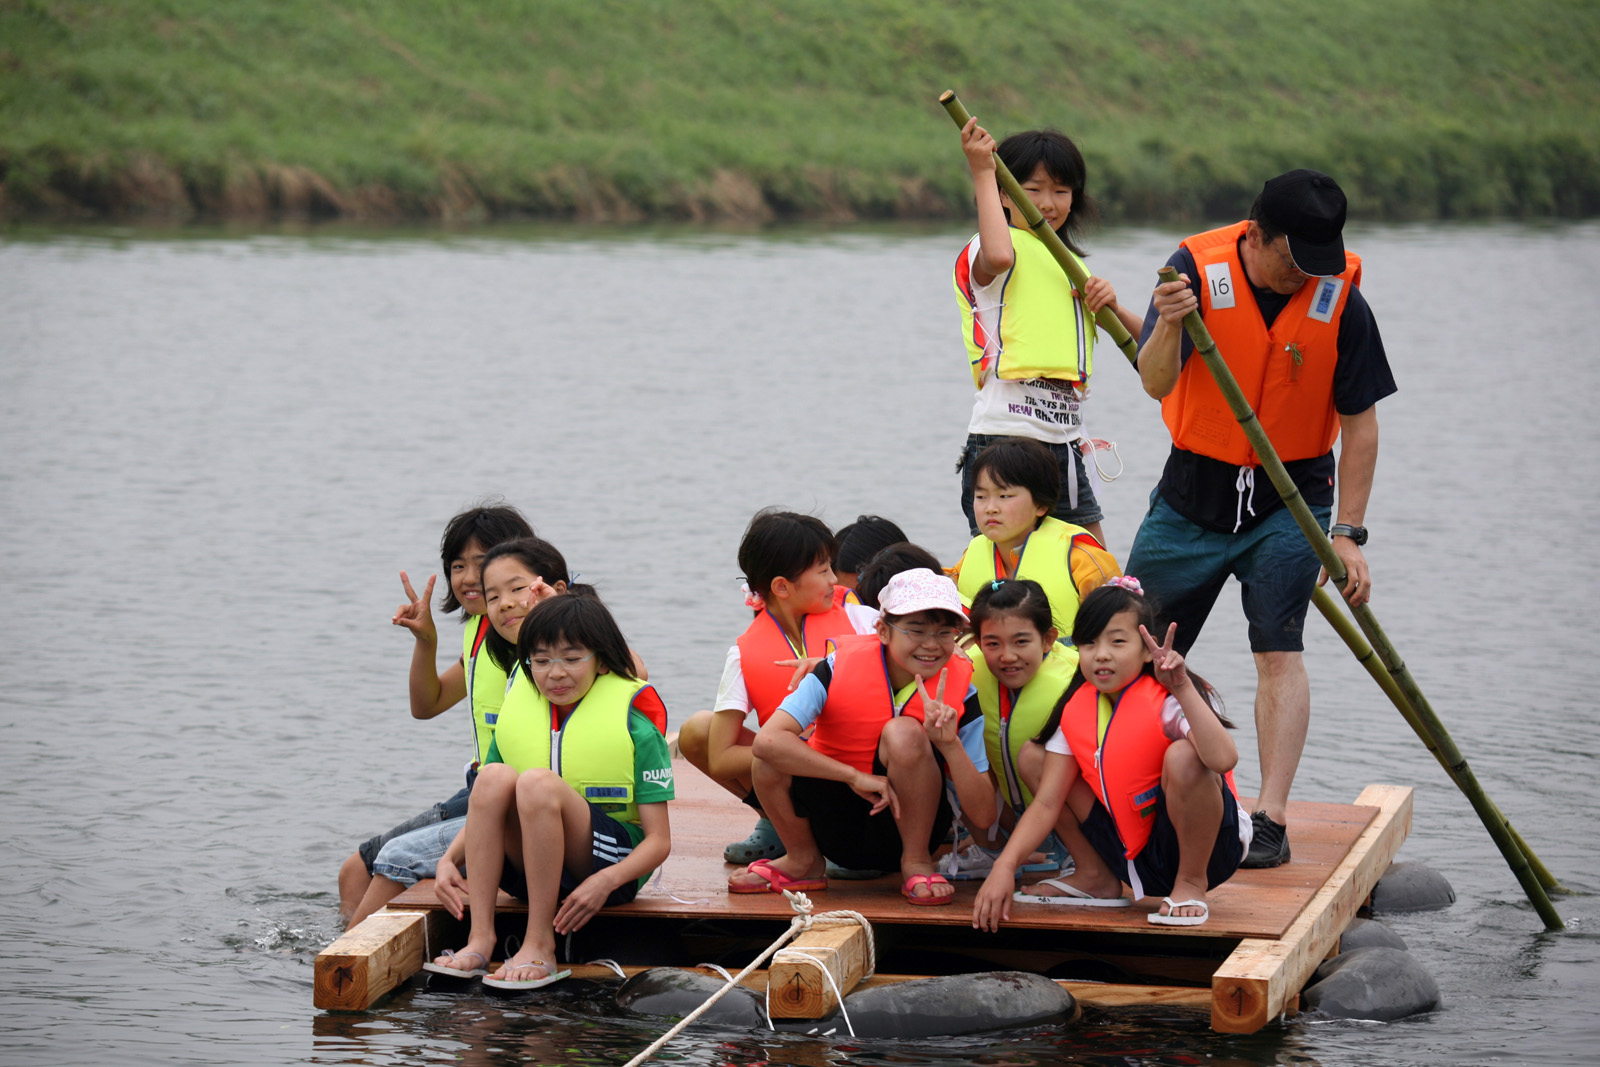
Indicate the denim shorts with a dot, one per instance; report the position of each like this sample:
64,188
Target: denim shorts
453,808
409,858
1183,566
1068,458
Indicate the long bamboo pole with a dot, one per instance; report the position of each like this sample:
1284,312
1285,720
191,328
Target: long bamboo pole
1455,762
1353,639
1105,317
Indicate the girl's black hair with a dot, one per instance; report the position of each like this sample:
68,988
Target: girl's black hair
1012,596
1022,463
540,557
904,556
1094,615
782,544
576,620
863,539
488,524
1023,152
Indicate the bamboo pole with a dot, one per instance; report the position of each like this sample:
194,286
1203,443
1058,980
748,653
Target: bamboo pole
1364,654
1105,317
1455,763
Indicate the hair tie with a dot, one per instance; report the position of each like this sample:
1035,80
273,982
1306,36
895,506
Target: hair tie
1128,582
996,584
573,576
752,599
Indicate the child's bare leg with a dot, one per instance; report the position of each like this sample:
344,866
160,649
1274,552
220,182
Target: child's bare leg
981,834
555,821
803,860
1092,875
914,775
491,818
380,891
353,882
1194,804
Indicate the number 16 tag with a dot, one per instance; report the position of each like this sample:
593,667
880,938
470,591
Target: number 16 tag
1219,279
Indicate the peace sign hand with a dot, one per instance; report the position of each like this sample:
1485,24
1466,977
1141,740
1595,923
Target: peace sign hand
802,667
1168,662
938,718
417,614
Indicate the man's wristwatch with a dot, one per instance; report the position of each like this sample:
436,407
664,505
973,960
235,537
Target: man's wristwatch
1358,534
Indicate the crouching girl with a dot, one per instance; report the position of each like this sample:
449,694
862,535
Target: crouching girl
569,811
1137,779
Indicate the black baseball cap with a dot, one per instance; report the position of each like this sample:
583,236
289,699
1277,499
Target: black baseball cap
1308,207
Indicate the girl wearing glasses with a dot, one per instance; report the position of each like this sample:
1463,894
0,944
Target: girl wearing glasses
893,719
578,769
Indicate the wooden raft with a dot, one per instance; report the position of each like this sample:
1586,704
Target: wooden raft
1267,932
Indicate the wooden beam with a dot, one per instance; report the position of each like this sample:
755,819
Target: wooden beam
1112,995
1261,978
370,960
798,988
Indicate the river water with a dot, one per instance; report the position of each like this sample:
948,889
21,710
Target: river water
218,448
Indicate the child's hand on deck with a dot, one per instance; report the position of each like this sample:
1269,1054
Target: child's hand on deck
416,614
978,146
581,905
938,718
993,902
450,887
1168,663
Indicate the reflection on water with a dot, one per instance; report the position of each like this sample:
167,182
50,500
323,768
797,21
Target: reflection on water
217,450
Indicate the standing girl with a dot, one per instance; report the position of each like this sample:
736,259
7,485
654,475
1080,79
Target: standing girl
579,770
1137,779
1029,334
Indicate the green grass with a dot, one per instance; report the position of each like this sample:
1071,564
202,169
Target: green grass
688,108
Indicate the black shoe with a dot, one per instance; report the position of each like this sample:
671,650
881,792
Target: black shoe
1269,843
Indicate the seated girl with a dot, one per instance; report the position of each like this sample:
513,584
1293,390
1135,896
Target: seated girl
787,560
892,721
578,770
1015,483
1137,778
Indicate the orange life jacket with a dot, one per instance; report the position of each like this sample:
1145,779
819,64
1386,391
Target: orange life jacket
860,703
1286,373
764,643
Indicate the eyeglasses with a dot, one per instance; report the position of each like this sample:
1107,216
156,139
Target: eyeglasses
946,636
1286,256
540,664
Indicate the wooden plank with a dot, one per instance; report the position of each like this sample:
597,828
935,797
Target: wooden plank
800,990
1112,995
1261,978
369,960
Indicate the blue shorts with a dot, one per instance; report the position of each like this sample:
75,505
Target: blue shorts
1183,566
1157,862
409,858
611,843
453,808
1068,458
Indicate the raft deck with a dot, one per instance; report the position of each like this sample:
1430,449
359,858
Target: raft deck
1267,932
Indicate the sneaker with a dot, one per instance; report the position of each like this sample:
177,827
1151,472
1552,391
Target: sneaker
1269,843
762,844
975,862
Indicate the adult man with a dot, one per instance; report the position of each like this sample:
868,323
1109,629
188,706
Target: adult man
1279,295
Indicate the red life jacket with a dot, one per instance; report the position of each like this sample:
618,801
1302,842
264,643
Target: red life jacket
860,702
1286,373
764,643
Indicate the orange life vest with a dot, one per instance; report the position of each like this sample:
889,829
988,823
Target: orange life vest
764,643
1286,373
860,701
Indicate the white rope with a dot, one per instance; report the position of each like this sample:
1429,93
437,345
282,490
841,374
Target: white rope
718,968
660,886
612,964
803,920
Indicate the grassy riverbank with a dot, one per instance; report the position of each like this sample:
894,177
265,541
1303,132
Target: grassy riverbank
754,110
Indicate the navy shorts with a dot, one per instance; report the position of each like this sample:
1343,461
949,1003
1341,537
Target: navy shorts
611,843
1068,458
1157,862
847,834
1183,566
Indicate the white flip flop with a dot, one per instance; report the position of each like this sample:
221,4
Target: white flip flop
1072,897
1181,920
513,986
457,972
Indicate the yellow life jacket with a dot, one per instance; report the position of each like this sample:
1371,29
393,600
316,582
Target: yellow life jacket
486,685
1045,332
592,751
1011,721
1065,559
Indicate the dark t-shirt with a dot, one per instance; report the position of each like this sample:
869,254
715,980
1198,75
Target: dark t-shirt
1204,490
